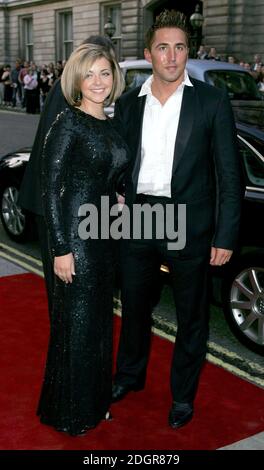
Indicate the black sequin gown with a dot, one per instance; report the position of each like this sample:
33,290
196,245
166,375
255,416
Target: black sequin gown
82,159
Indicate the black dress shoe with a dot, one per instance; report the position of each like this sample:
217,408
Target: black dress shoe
120,391
180,414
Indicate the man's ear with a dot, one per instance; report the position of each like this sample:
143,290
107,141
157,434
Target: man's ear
147,55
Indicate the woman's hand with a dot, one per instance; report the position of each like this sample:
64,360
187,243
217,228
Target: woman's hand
64,267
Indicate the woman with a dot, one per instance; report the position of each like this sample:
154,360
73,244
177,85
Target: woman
7,81
31,90
83,157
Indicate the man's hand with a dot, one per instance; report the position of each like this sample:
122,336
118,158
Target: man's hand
219,256
64,267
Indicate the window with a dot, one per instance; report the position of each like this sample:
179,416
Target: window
64,36
26,24
239,85
136,77
253,162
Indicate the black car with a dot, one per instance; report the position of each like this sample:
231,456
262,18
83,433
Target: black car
242,280
246,99
18,224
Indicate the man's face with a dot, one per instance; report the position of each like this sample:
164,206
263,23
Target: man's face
168,55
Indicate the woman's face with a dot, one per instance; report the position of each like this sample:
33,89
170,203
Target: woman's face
98,82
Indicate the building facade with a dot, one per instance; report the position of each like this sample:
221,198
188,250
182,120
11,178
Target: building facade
48,30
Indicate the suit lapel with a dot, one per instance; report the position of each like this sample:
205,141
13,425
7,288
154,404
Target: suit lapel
138,114
137,117
185,125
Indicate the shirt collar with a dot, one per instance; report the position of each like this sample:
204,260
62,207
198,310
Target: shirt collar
146,87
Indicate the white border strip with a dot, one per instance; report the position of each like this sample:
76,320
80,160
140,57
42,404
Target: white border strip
20,254
27,266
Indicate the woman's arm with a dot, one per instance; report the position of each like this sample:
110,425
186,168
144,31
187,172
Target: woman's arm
57,150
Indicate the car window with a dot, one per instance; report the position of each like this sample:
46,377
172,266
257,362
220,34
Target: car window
239,85
136,77
253,165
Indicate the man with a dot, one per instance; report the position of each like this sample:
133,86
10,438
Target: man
30,191
182,139
202,53
257,63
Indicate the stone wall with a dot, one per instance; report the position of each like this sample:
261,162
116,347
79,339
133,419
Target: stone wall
85,22
235,27
4,48
130,29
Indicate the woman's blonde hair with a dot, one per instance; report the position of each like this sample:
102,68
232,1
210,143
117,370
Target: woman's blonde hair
77,66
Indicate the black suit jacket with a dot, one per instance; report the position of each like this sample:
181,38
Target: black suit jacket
206,172
30,190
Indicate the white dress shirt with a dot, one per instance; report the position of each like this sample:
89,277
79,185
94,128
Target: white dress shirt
159,131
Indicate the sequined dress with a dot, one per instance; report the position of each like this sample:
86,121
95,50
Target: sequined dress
83,158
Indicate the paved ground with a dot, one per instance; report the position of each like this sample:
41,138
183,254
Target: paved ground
8,269
17,130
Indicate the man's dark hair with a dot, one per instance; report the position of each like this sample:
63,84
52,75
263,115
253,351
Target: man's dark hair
167,19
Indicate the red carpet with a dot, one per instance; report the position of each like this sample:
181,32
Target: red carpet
227,408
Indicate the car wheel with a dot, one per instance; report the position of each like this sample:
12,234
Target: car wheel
15,222
243,301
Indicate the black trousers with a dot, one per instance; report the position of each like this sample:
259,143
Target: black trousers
46,258
140,263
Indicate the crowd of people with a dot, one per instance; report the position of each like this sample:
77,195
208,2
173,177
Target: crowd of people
27,85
